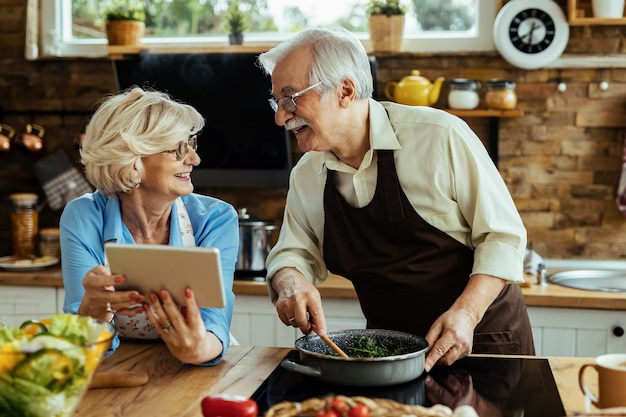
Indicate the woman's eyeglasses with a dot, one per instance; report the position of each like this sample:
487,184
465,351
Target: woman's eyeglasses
288,103
183,147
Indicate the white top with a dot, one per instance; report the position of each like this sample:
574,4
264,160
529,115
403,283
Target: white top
446,173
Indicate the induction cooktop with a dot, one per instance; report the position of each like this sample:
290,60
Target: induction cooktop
494,386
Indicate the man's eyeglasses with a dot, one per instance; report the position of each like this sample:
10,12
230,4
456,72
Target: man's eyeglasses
288,103
183,147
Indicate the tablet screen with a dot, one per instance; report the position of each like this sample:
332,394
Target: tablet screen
150,268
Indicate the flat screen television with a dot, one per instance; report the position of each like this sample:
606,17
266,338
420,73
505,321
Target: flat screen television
240,145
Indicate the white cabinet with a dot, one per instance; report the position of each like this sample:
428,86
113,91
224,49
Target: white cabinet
255,321
557,331
26,299
577,332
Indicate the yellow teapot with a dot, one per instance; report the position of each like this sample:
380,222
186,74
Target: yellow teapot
414,90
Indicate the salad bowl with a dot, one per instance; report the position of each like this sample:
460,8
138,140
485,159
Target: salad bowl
47,362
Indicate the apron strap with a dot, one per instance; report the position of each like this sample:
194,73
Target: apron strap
391,188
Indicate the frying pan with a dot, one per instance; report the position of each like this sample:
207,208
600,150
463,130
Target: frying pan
318,361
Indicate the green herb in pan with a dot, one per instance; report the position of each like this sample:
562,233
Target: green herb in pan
369,347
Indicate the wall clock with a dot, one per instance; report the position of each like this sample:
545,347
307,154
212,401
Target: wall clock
530,33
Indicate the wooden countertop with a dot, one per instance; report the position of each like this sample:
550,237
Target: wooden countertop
338,287
174,389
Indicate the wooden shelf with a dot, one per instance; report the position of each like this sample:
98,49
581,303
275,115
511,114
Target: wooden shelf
117,52
579,13
486,113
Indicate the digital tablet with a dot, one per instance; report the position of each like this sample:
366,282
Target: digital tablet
150,268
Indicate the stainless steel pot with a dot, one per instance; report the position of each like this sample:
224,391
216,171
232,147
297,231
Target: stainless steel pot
318,361
254,242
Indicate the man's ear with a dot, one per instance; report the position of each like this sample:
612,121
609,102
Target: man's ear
348,93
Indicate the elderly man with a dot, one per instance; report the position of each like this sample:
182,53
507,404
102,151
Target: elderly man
403,201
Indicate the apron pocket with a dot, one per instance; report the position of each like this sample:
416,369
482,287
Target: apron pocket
497,342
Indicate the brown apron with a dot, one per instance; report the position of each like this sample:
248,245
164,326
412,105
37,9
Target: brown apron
406,272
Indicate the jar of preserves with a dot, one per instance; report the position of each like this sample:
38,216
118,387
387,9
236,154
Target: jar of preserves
501,94
24,225
463,94
49,243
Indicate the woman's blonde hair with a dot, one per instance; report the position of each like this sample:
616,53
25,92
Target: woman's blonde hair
128,126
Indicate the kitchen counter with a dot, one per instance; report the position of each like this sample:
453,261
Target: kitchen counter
176,390
339,287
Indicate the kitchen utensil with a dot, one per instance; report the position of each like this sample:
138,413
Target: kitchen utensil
414,90
611,376
463,94
501,94
317,360
118,379
254,242
334,347
24,225
332,344
6,136
47,368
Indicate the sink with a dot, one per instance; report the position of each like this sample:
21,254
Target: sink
591,279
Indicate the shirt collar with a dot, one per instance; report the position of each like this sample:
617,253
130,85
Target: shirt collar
382,134
382,137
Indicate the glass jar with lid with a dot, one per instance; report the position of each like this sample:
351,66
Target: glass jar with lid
501,94
24,225
49,243
463,94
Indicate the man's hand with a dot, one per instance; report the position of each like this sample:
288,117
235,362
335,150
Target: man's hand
299,302
451,336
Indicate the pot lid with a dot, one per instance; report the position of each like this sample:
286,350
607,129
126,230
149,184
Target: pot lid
24,199
246,220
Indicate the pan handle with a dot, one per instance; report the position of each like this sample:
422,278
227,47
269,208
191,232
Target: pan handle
303,369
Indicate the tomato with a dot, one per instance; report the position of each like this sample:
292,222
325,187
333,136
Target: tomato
339,406
327,413
359,410
228,405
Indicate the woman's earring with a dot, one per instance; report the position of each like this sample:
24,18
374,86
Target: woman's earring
6,135
32,139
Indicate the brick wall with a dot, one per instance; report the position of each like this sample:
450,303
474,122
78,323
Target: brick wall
561,160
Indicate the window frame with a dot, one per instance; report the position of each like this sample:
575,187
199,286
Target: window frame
55,38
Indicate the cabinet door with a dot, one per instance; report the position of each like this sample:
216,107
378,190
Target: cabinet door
343,314
577,332
25,299
255,322
60,299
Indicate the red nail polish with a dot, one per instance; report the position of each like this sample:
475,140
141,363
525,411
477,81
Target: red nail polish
188,293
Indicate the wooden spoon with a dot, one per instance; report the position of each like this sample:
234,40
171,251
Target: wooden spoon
332,344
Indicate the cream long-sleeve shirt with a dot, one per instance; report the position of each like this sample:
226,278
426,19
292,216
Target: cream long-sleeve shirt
446,174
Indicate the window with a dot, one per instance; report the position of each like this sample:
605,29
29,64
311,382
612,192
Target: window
75,27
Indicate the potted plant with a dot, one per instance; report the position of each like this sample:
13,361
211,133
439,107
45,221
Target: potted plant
386,24
235,23
125,22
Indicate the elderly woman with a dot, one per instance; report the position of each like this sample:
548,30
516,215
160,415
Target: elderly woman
138,151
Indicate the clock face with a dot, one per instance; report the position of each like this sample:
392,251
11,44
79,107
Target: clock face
530,33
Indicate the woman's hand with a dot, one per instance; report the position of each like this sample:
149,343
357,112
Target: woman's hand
182,328
101,299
